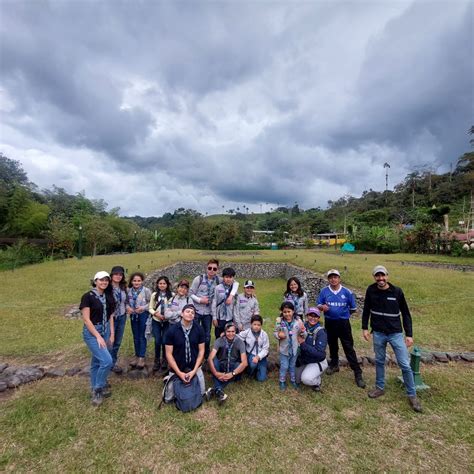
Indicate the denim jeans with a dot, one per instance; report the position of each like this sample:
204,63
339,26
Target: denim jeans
218,385
205,321
138,323
159,331
260,368
287,363
101,362
399,347
119,325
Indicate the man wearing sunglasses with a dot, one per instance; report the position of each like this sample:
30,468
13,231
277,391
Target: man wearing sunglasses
202,293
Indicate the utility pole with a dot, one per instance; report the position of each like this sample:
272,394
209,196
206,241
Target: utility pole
386,167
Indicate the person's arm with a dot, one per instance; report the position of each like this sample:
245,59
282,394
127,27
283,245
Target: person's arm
256,309
151,306
321,303
214,308
265,347
366,316
112,330
352,303
210,363
237,315
406,318
86,316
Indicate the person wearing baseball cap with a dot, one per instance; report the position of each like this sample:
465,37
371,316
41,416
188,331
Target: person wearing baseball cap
247,306
338,303
97,307
383,305
179,300
312,361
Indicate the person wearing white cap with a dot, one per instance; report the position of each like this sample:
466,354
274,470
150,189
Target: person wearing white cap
98,306
338,303
383,305
247,306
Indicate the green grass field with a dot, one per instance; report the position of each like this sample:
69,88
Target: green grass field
49,426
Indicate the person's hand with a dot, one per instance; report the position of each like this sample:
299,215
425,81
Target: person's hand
111,340
256,360
324,307
101,342
409,341
221,376
227,377
241,327
281,335
301,339
162,318
129,310
366,334
182,376
214,323
229,299
204,300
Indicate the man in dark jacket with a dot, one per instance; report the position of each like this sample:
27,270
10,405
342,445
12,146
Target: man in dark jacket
383,305
311,362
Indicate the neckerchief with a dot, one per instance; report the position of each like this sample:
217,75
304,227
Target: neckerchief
161,299
101,298
135,294
118,300
256,335
187,345
289,327
226,295
296,301
229,345
311,330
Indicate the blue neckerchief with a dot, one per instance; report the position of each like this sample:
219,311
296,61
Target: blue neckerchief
289,327
296,301
102,299
226,294
135,294
229,345
187,344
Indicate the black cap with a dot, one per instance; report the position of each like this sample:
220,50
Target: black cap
117,269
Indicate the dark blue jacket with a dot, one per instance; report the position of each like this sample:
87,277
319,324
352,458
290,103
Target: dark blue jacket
313,348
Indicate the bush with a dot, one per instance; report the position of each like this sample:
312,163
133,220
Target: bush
20,254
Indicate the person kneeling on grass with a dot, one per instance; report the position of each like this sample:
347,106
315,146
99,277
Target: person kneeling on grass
257,346
184,347
311,362
227,361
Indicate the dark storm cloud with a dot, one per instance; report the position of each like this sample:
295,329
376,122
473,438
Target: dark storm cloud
234,102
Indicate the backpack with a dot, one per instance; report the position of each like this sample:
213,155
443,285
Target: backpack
167,394
187,396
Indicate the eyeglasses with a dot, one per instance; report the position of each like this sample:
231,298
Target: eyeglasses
212,269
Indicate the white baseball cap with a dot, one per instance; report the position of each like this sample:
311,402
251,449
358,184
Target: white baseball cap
379,269
333,271
100,275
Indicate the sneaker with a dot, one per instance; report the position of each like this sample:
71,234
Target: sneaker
316,388
117,369
156,366
332,370
209,394
415,404
295,385
141,363
97,397
106,391
221,396
164,365
376,393
360,381
282,386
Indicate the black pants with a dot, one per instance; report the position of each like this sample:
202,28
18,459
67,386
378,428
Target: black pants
341,329
220,327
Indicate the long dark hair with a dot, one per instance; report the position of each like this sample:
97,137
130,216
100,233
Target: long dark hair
133,275
168,292
123,281
299,291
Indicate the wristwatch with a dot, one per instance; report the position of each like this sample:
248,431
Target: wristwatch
233,374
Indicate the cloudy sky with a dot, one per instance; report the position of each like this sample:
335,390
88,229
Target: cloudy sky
156,105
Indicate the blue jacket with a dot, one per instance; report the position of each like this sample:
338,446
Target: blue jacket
313,348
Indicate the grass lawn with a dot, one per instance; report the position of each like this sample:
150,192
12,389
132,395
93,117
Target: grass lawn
50,425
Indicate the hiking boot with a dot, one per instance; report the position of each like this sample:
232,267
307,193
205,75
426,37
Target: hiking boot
295,385
221,396
332,370
106,391
117,369
360,381
316,388
415,404
164,365
376,393
209,394
282,386
156,366
141,363
97,397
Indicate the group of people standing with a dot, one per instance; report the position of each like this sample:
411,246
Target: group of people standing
181,325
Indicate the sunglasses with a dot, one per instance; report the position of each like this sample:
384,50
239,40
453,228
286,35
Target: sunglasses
213,269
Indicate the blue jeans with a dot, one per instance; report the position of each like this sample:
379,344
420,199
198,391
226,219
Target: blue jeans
119,325
138,323
260,368
159,330
218,385
399,347
101,362
287,363
205,320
